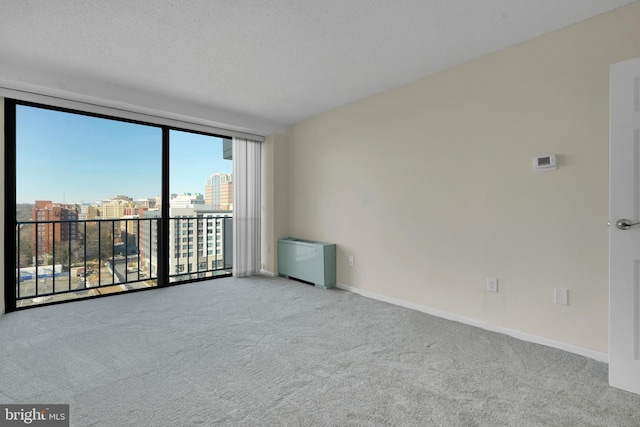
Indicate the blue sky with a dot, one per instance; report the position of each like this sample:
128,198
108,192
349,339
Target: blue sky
72,158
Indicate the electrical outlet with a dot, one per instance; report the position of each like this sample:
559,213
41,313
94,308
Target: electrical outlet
350,260
492,284
561,296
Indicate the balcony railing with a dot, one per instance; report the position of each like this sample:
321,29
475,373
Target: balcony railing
64,260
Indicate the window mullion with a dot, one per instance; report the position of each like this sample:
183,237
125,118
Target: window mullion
163,247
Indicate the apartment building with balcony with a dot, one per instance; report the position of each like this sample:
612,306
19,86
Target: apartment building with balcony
200,241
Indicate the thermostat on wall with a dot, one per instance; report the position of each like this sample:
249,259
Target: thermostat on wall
544,163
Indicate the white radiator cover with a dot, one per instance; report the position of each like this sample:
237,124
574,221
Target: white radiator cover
308,260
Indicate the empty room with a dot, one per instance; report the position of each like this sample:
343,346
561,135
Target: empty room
414,213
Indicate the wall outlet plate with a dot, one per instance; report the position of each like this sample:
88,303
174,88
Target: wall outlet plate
561,296
492,284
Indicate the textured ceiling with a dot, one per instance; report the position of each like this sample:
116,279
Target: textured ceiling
258,64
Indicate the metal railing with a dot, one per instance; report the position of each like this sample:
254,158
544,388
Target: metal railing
63,260
200,247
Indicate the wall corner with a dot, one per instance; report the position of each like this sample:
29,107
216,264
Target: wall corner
275,198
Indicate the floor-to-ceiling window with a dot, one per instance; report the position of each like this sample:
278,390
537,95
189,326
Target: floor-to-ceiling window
106,205
200,206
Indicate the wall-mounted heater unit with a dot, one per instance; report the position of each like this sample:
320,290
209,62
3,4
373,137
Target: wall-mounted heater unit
307,260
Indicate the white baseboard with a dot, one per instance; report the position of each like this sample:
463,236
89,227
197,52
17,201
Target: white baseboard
524,336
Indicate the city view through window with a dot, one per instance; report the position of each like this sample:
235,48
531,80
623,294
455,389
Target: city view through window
89,206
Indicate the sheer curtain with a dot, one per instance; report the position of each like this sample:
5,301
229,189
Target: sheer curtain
246,207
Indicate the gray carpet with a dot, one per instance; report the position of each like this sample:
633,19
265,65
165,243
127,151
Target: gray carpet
270,351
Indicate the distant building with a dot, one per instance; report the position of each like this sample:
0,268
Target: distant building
115,207
199,240
129,221
186,200
88,213
51,226
226,196
133,211
149,203
148,238
218,191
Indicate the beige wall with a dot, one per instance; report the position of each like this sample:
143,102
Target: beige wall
275,199
430,185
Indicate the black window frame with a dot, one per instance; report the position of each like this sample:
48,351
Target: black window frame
164,278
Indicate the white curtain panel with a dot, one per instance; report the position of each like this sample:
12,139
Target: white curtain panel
246,207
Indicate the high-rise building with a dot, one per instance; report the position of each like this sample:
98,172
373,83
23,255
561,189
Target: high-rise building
199,240
218,191
55,223
226,196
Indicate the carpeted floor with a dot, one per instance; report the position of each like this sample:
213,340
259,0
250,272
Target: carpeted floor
270,351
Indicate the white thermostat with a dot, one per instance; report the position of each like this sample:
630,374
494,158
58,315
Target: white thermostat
545,163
